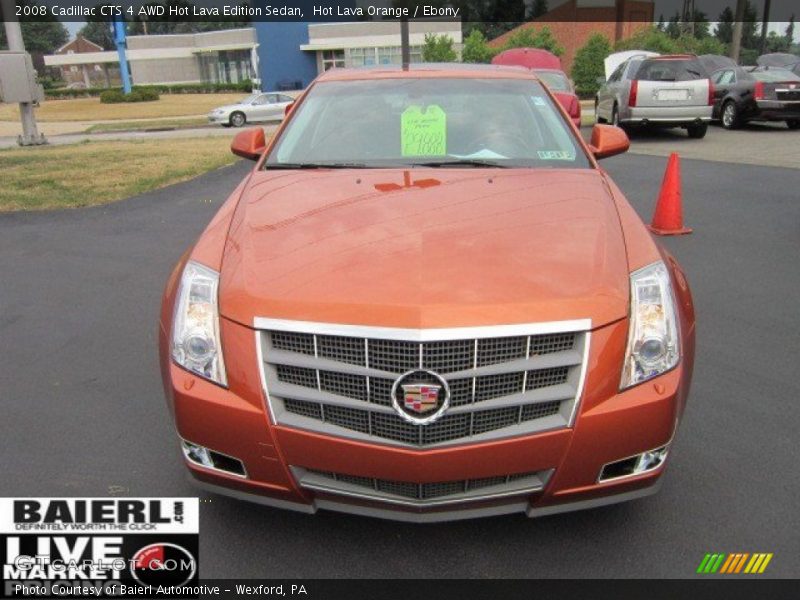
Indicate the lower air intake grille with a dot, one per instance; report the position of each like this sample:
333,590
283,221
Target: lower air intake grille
406,492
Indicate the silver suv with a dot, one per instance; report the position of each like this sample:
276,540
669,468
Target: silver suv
664,91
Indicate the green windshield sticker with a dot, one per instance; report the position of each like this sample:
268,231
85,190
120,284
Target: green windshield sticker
423,132
555,155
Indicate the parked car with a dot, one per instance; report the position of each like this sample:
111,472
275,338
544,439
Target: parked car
759,94
251,109
790,62
660,91
441,309
547,67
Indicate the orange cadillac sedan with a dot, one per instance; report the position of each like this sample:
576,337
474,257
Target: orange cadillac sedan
427,302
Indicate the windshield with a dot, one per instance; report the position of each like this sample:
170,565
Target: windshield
660,69
772,75
554,80
427,122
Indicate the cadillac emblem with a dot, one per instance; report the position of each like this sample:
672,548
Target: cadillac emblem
420,397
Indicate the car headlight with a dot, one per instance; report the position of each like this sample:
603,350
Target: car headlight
196,343
653,346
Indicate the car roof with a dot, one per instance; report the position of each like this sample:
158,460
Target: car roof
428,70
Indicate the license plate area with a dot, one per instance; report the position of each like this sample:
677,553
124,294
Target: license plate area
672,95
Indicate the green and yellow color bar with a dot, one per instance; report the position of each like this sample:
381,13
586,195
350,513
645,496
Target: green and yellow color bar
740,562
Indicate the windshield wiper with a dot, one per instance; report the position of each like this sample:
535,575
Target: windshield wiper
462,162
269,167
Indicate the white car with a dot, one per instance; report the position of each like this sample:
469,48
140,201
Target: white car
269,106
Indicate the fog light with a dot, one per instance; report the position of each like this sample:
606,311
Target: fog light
634,465
210,459
197,454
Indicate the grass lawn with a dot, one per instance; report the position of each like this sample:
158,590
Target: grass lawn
91,109
47,177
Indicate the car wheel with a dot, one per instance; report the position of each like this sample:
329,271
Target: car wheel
697,131
597,116
793,123
238,119
730,115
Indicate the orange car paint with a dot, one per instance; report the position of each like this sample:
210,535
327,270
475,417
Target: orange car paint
545,245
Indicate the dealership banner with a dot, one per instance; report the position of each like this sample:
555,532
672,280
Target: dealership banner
98,547
362,10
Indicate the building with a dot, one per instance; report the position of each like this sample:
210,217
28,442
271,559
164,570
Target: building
573,22
98,74
225,56
292,54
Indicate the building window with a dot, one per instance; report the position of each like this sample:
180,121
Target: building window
332,58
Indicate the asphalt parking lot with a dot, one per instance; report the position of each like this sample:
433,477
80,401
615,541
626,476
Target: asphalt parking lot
83,412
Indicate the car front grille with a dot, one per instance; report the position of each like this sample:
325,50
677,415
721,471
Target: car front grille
421,494
500,385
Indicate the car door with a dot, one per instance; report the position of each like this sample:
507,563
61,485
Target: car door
608,92
723,81
259,109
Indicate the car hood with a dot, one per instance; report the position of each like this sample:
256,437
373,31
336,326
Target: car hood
425,248
229,107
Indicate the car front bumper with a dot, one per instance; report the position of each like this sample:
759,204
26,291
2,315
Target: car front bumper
610,426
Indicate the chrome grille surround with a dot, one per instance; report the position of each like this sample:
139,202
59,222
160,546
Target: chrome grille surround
422,494
505,380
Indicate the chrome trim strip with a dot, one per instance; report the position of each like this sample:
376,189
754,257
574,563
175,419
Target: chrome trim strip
587,338
262,375
422,335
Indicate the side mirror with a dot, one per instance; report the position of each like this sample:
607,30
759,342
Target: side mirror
288,109
249,143
608,140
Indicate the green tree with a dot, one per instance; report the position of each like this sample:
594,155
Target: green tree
724,30
41,36
777,43
538,8
98,32
476,50
438,48
588,64
651,39
789,35
526,37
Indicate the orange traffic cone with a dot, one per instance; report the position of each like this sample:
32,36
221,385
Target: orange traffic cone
668,218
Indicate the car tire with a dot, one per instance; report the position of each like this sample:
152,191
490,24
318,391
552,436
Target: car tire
729,115
793,123
238,119
697,132
597,116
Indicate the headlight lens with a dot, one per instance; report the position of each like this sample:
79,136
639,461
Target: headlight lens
653,346
196,343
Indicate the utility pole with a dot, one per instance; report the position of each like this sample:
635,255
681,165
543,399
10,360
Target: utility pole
405,48
736,41
764,26
30,132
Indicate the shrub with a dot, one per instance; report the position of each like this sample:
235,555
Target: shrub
526,37
137,95
112,97
245,86
438,48
476,50
588,64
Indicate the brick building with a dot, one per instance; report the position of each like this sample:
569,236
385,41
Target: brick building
89,74
572,22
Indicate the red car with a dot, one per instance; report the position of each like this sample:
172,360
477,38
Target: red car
547,67
440,308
